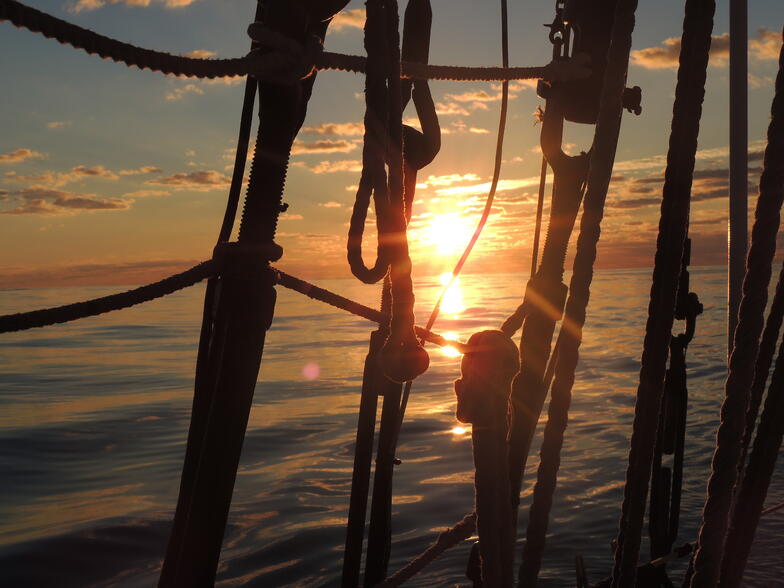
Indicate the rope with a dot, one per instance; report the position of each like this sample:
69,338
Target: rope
746,345
10,323
272,63
598,180
673,226
488,201
538,223
756,481
449,538
751,496
762,368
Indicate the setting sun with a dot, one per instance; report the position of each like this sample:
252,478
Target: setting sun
448,234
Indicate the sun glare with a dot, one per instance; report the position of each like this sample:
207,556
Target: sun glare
453,299
449,233
451,351
458,430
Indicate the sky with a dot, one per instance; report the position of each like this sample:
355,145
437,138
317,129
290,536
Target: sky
111,175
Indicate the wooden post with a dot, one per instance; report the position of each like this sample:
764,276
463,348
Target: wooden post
739,138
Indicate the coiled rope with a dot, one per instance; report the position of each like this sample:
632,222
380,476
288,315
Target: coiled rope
273,63
599,173
746,345
673,225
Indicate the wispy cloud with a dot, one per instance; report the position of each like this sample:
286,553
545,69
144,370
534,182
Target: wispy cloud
88,5
349,129
348,19
330,167
57,179
200,54
202,180
179,93
323,146
19,155
145,169
765,47
47,201
58,124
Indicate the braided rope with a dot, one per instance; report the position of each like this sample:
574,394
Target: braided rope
762,368
753,490
66,33
70,312
600,170
746,345
673,226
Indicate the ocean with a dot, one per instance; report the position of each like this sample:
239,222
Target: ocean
95,417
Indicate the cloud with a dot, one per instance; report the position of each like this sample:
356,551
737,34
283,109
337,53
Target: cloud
56,179
331,204
765,47
88,5
330,167
58,124
179,93
145,169
43,200
474,96
19,155
200,54
323,146
448,180
475,189
348,19
146,193
202,180
349,129
451,109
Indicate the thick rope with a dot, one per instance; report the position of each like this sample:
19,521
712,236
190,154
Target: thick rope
673,226
449,538
753,489
741,371
762,368
605,143
751,497
271,63
70,312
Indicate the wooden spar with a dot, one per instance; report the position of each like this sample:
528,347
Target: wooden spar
738,232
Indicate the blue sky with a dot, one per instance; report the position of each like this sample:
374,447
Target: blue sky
113,175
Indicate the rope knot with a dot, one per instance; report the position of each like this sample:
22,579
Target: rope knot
281,59
246,258
403,359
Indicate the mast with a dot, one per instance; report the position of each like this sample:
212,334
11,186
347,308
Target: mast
738,201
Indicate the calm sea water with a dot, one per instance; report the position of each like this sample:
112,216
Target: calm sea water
95,416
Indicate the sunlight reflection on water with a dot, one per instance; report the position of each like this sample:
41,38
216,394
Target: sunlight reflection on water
95,417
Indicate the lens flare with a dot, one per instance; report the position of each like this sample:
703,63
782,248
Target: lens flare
453,298
451,351
449,233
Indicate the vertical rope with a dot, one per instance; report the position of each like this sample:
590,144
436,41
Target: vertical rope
673,225
751,497
600,170
762,368
753,489
707,560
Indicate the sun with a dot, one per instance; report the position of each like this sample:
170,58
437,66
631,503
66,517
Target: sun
449,233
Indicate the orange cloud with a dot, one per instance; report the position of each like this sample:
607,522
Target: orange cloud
202,180
19,155
323,146
348,19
